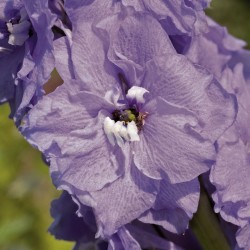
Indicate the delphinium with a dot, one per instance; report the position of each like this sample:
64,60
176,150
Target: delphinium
152,107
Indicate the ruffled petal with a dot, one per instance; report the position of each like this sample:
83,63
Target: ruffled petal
123,201
177,80
67,126
213,49
134,38
176,17
243,237
232,191
88,51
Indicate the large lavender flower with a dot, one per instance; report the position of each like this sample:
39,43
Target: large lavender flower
26,51
130,125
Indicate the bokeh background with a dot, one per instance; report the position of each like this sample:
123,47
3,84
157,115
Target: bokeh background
25,186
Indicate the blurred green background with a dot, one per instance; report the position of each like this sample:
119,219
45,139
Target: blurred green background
25,186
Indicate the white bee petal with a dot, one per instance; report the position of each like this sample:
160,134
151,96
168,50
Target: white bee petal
137,94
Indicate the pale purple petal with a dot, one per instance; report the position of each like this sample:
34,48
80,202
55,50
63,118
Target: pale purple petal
213,49
63,60
177,17
68,128
175,221
168,144
123,201
174,206
134,38
96,73
180,82
232,191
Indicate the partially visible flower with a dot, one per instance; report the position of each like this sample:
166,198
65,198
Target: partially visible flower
231,173
225,57
213,49
26,52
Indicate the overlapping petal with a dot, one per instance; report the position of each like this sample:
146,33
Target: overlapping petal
177,17
214,49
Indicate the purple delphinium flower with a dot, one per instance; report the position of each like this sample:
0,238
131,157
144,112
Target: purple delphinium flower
136,120
26,52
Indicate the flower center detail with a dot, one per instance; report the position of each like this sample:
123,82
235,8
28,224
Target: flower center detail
19,28
126,123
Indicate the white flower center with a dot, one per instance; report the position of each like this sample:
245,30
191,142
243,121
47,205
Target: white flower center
128,122
19,32
137,93
118,133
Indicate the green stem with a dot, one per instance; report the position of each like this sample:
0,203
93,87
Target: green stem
205,226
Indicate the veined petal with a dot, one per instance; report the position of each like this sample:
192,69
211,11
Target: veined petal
133,38
123,201
88,51
63,59
232,191
168,144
